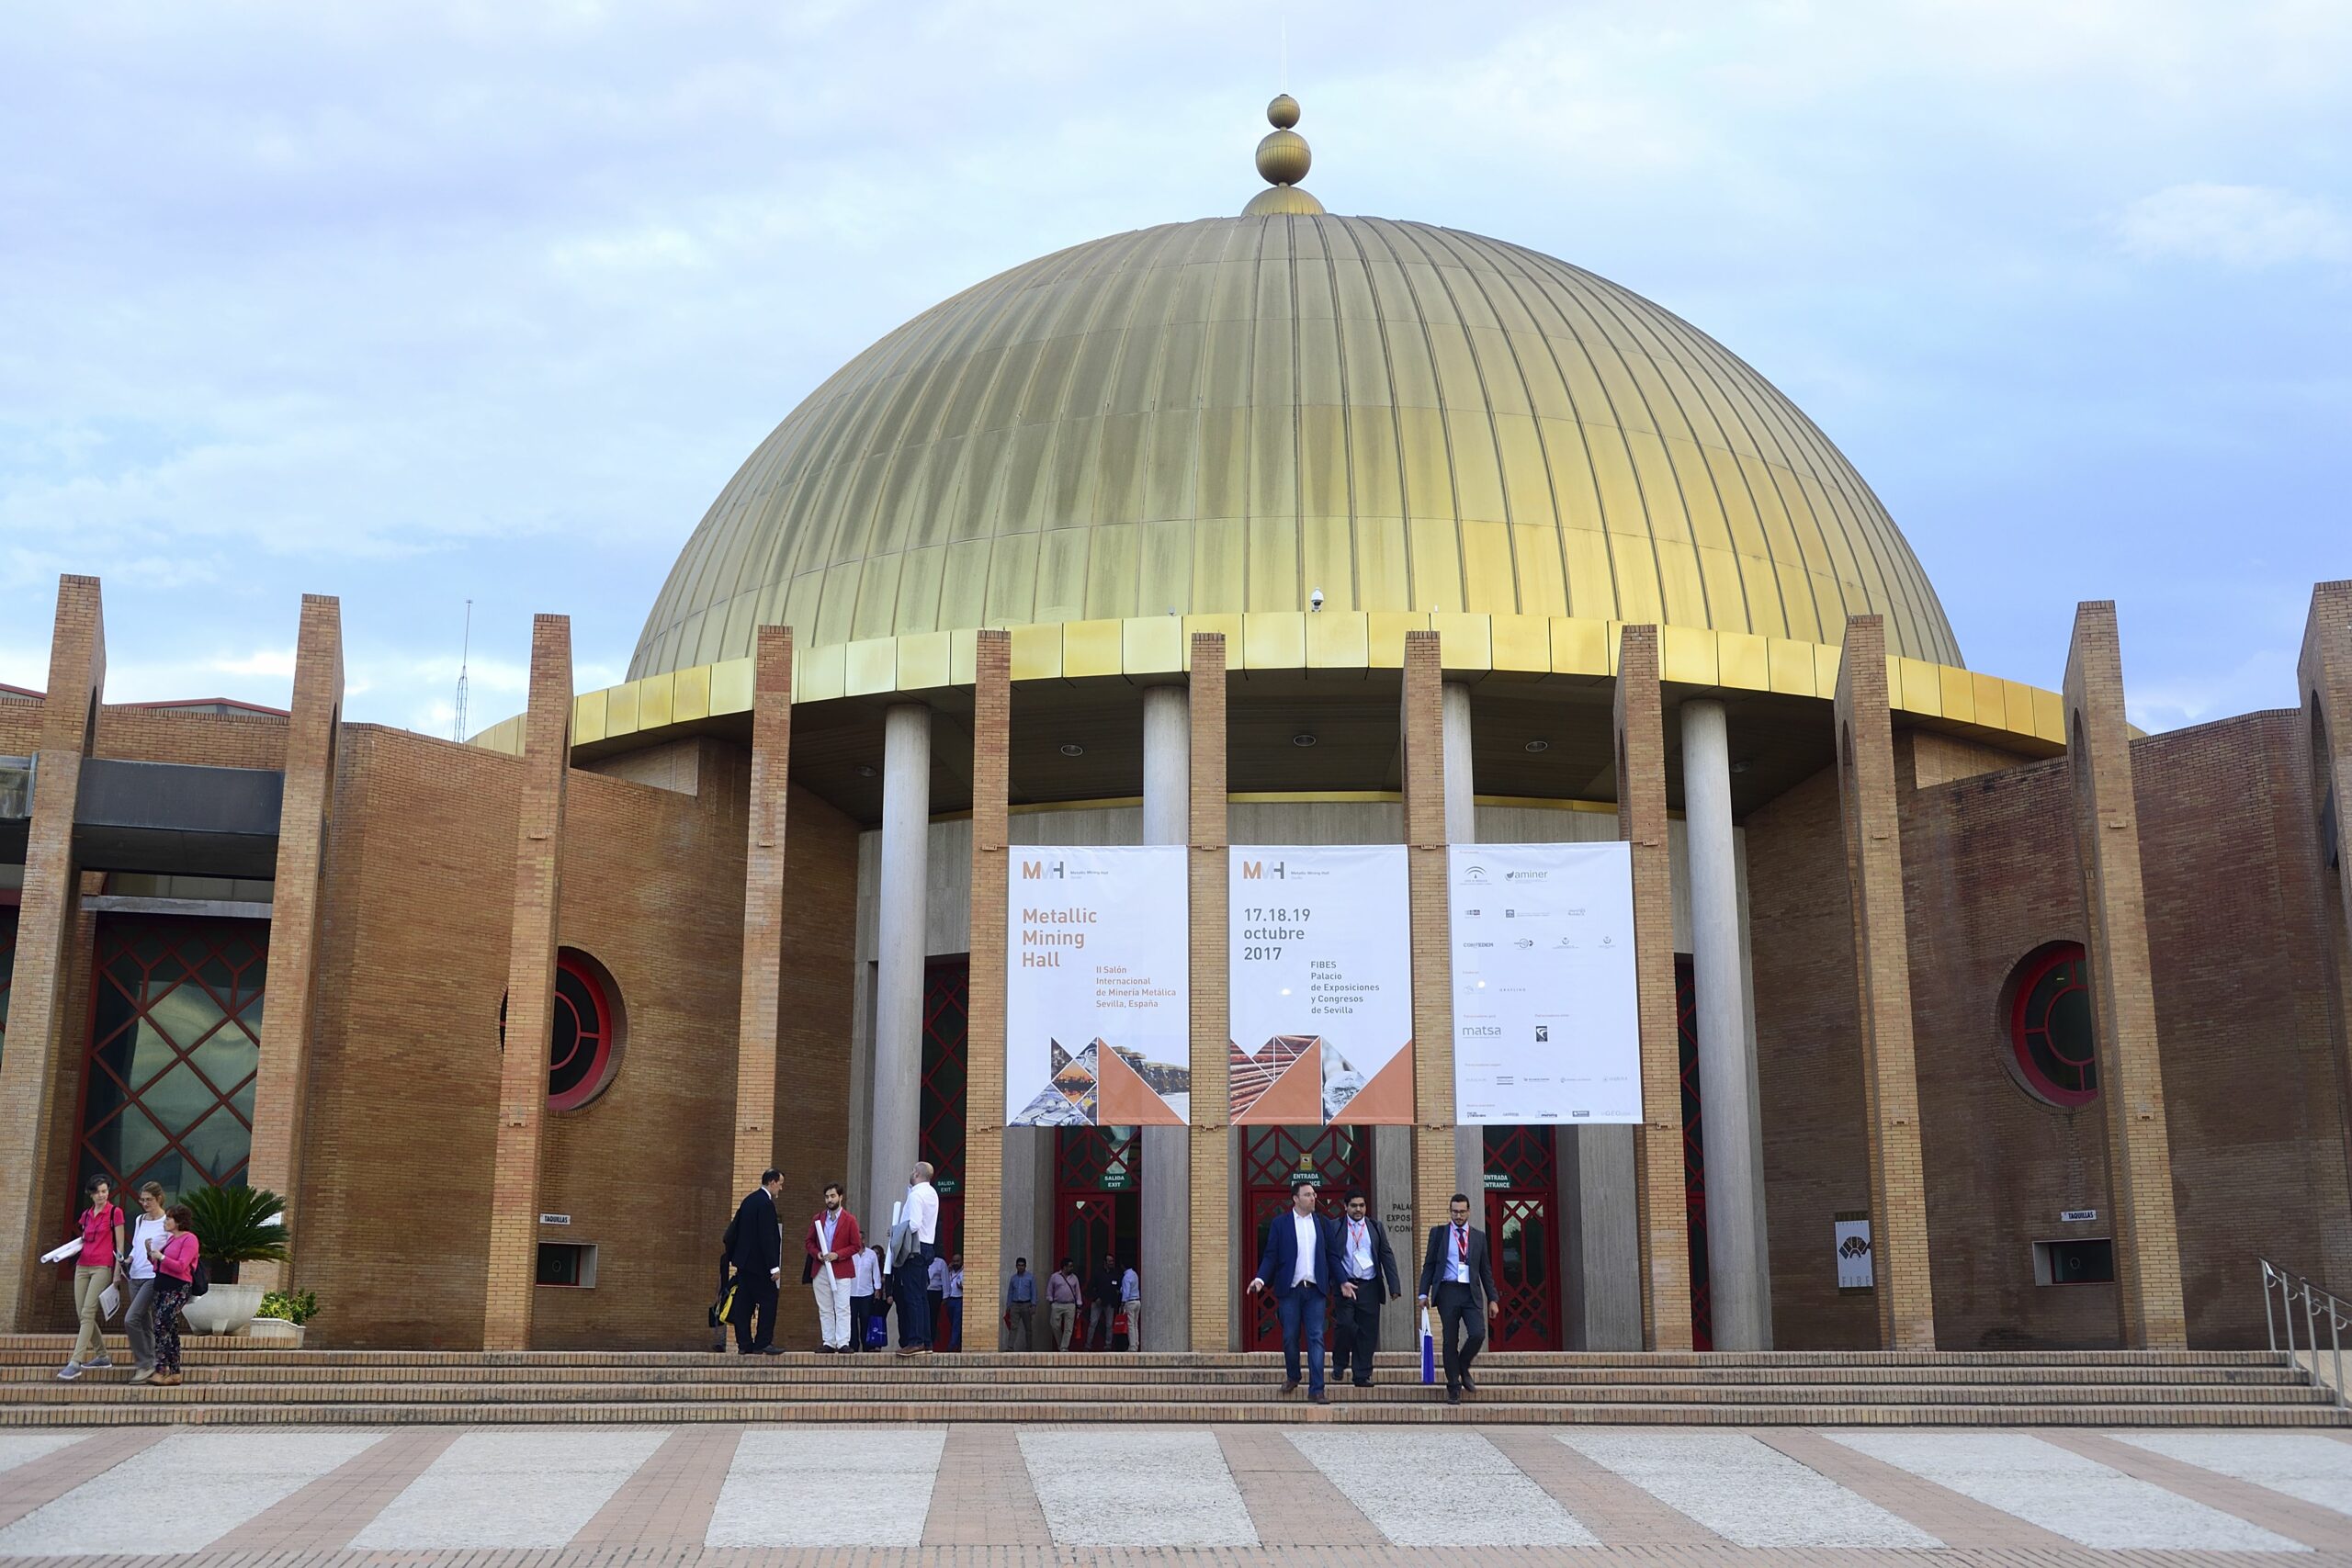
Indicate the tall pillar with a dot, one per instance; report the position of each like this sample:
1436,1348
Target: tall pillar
2324,674
1907,1307
2123,1005
758,1025
1727,1115
1214,1273
1462,827
312,730
1662,1230
1436,1172
984,1137
513,1274
39,1023
899,941
1166,1264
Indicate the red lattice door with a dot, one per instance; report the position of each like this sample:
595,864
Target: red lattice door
1340,1158
946,1004
1524,1235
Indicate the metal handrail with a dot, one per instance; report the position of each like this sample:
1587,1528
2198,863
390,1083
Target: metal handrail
2317,1302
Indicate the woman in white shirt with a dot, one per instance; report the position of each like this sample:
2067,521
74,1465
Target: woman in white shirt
139,1321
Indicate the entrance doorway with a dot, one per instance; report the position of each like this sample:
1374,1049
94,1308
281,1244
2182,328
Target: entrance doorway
1098,1202
946,1006
1340,1158
1694,1152
1523,1228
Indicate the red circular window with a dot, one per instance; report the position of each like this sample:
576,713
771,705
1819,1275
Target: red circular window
2051,1032
580,1056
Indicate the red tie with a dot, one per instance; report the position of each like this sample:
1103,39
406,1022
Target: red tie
1462,1246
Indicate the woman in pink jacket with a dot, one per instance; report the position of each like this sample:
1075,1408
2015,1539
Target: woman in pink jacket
175,1257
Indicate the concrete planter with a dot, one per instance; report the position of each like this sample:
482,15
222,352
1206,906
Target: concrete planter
276,1333
223,1309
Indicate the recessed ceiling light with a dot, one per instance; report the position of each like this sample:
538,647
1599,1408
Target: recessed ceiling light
1539,746
1302,739
865,769
1072,748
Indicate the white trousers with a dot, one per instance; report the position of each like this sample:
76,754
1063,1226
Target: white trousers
832,1307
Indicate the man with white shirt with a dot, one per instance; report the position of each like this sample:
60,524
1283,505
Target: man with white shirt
1457,1275
910,1278
1367,1279
834,1244
1299,1264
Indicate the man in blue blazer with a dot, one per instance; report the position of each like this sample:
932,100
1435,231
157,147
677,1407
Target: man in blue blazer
1300,1264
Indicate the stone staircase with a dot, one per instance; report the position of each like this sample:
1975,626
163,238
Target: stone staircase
230,1381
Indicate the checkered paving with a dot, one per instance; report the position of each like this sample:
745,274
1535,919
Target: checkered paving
1242,1495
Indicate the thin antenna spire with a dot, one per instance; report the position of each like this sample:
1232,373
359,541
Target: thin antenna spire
466,649
1282,70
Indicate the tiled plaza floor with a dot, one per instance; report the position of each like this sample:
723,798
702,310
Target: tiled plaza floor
1015,1496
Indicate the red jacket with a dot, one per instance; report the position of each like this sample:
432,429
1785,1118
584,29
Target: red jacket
846,1242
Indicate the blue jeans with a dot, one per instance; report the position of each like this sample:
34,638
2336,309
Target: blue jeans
1301,1311
910,1283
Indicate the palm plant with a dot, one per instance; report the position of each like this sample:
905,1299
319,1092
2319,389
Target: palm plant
238,1225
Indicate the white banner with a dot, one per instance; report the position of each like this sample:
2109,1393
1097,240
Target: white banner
1854,1270
1321,986
1547,1021
1097,988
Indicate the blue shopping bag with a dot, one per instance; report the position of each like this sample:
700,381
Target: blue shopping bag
1428,1350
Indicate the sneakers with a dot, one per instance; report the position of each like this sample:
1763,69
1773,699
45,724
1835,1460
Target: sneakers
102,1361
69,1372
142,1374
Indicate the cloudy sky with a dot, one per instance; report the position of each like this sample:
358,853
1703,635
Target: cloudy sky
419,303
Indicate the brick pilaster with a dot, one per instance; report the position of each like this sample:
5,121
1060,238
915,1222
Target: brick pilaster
2107,835
1433,1131
1213,1273
531,992
2325,676
1865,728
41,1027
757,1148
313,730
1663,1218
984,1036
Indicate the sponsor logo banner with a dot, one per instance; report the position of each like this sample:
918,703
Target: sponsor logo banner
1320,972
1546,1023
1097,988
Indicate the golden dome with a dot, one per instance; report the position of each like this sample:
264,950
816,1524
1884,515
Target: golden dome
1229,414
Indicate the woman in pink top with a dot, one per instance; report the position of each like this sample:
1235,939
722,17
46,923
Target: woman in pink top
94,1271
175,1257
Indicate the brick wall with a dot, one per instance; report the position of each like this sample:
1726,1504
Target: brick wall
207,739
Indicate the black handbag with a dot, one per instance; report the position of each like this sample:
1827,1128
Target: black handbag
199,1280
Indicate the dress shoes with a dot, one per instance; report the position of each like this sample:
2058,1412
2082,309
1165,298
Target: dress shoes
1290,1387
1454,1396
1469,1382
1363,1383
1318,1399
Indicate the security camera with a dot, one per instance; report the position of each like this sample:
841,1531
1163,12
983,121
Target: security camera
1315,600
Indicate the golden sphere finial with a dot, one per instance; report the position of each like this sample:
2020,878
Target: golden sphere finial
1282,113
1283,161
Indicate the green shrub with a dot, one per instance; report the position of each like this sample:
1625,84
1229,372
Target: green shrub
234,1224
297,1307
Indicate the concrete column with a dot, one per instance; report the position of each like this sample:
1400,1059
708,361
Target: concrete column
1907,1307
2123,1003
1167,1263
279,1086
1214,1308
1727,1107
510,1296
1436,1174
41,1026
1462,827
985,1205
900,889
1662,1234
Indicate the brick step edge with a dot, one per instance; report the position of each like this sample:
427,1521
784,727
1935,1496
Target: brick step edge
1295,1411
946,1372
57,1394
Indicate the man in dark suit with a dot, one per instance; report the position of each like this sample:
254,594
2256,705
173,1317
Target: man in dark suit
1457,1275
755,1246
1367,1279
1299,1264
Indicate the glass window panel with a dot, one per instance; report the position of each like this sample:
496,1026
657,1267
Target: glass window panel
220,1143
244,1101
187,1014
176,1173
103,1097
179,1098
146,1053
216,973
127,1144
228,1058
